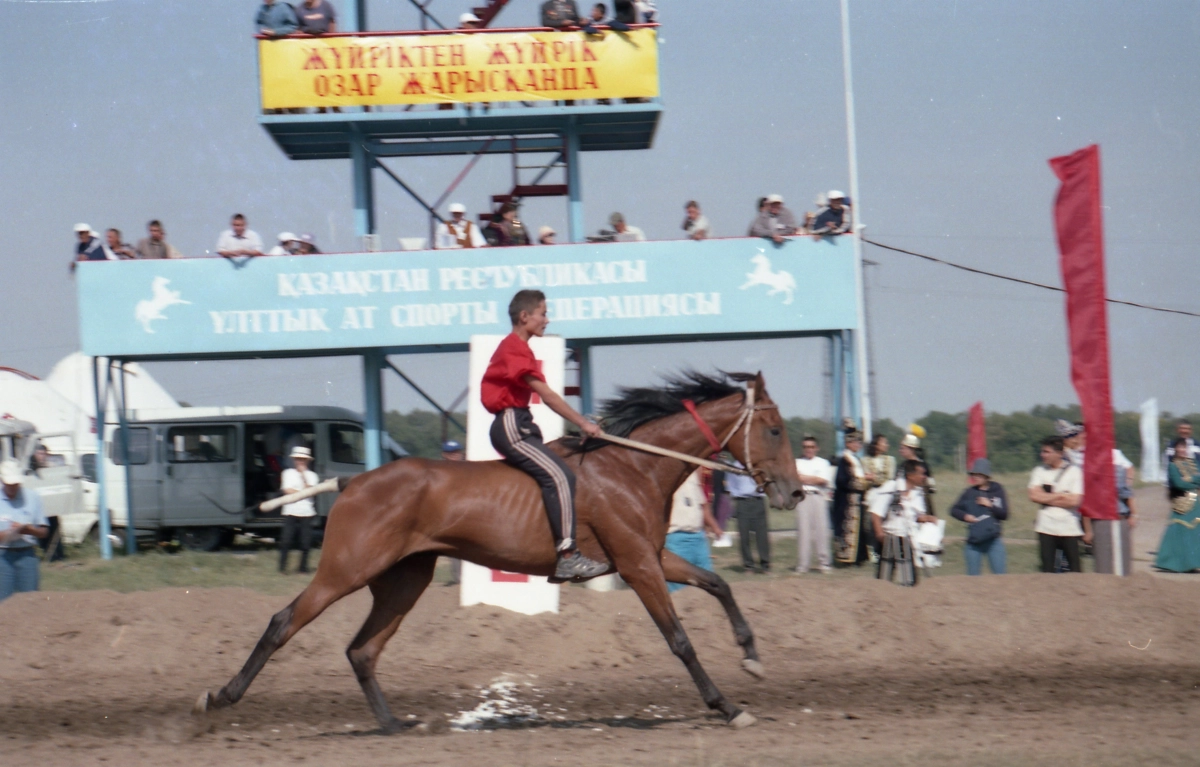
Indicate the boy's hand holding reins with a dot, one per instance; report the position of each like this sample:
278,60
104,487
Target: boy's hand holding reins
559,405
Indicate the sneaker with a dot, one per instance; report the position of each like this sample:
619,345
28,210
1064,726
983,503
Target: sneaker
573,566
724,541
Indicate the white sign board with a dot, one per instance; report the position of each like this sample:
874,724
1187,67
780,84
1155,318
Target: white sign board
521,593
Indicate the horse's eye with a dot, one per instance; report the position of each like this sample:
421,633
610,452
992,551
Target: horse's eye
775,432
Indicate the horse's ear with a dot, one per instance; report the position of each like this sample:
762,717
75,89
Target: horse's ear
760,385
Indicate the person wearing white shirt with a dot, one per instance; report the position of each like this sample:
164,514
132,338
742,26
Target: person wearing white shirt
458,232
298,516
237,240
812,514
289,245
1057,486
690,518
896,511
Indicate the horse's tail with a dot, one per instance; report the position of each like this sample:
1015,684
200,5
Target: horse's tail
332,485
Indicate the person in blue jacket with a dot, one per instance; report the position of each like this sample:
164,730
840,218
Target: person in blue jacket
983,506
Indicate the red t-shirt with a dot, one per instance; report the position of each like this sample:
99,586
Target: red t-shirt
504,381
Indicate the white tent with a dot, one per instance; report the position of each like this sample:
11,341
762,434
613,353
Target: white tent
72,378
29,399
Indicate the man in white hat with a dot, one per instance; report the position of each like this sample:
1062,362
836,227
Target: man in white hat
835,218
775,221
468,21
546,235
458,232
298,516
22,522
89,247
289,245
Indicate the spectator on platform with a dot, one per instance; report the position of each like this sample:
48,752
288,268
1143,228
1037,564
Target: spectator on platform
1179,550
469,21
308,245
1057,487
153,245
835,217
316,17
458,232
89,247
983,506
695,223
22,523
505,228
625,12
622,231
546,236
117,248
776,222
750,508
691,516
276,19
289,245
238,240
812,514
560,14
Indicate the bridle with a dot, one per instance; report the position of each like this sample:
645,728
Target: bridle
744,421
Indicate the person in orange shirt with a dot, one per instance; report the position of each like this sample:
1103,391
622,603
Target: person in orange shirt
511,379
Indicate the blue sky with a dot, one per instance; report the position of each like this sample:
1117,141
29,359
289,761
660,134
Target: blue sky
120,111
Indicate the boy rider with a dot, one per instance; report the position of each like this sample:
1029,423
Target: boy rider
512,377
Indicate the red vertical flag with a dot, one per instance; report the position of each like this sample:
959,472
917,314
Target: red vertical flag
976,434
1080,229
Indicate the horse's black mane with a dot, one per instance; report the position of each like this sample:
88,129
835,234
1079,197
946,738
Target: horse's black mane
634,406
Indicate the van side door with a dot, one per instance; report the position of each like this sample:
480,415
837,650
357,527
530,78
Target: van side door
145,472
204,476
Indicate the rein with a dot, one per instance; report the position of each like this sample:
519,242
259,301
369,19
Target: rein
744,419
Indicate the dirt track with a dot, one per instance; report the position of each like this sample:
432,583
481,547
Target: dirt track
1014,670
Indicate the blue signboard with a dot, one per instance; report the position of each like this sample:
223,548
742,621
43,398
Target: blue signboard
210,306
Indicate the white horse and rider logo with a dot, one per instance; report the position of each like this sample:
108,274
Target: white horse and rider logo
778,282
151,309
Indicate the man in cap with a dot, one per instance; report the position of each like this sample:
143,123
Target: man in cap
298,516
289,244
983,505
458,232
469,21
546,236
624,232
89,247
308,245
774,221
22,523
835,218
559,14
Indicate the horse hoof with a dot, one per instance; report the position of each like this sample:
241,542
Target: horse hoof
742,721
754,668
201,704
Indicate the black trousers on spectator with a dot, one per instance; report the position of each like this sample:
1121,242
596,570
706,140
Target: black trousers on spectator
752,518
516,437
1070,549
295,530
53,537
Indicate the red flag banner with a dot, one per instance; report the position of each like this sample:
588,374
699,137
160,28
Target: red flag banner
1080,228
976,435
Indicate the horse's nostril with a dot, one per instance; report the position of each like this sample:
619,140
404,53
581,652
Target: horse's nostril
797,493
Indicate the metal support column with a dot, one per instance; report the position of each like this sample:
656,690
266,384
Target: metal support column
363,162
853,380
835,367
102,504
586,391
355,16
373,362
575,231
123,424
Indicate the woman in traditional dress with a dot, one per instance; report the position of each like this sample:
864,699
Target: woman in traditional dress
849,546
1180,548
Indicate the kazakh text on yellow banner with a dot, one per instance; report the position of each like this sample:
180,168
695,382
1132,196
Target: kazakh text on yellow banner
437,69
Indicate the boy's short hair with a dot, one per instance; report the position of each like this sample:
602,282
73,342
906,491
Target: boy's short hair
1054,443
524,301
911,466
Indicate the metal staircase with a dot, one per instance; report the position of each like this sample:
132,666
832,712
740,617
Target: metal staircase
488,12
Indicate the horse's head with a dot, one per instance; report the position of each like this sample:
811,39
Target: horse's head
765,448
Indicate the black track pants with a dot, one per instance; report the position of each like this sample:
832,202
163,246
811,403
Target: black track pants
296,531
516,437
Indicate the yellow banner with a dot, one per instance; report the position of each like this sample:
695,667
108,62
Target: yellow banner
457,67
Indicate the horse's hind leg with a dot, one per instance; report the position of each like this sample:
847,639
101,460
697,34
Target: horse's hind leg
395,592
284,625
646,579
678,570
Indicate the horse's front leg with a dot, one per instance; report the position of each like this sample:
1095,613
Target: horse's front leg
678,570
644,575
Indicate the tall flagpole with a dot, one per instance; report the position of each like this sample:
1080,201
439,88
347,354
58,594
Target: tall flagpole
860,335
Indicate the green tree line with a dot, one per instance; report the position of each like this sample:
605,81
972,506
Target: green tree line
1012,438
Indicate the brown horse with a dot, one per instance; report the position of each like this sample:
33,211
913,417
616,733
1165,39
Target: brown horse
390,525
